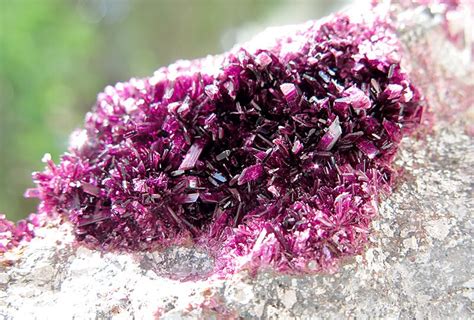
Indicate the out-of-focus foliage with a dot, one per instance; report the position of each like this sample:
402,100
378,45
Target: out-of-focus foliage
56,55
41,45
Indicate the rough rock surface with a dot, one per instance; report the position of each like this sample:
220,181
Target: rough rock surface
417,266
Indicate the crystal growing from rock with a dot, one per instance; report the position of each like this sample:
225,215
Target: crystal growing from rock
269,156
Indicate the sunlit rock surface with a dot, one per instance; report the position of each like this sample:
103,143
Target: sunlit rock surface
418,264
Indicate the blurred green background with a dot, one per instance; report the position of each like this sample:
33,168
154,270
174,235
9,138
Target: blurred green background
56,55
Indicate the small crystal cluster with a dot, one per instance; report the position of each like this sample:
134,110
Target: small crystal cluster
273,156
11,234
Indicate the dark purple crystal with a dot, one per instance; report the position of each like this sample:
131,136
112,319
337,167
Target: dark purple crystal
266,157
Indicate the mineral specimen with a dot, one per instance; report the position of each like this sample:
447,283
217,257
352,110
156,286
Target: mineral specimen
265,157
11,234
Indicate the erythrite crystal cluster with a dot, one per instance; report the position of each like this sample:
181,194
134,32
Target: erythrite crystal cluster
12,234
271,155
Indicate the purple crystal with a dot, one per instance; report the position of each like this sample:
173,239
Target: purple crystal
290,92
357,98
270,156
192,156
331,136
12,234
250,174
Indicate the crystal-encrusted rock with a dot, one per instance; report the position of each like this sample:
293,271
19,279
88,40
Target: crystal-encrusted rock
273,156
